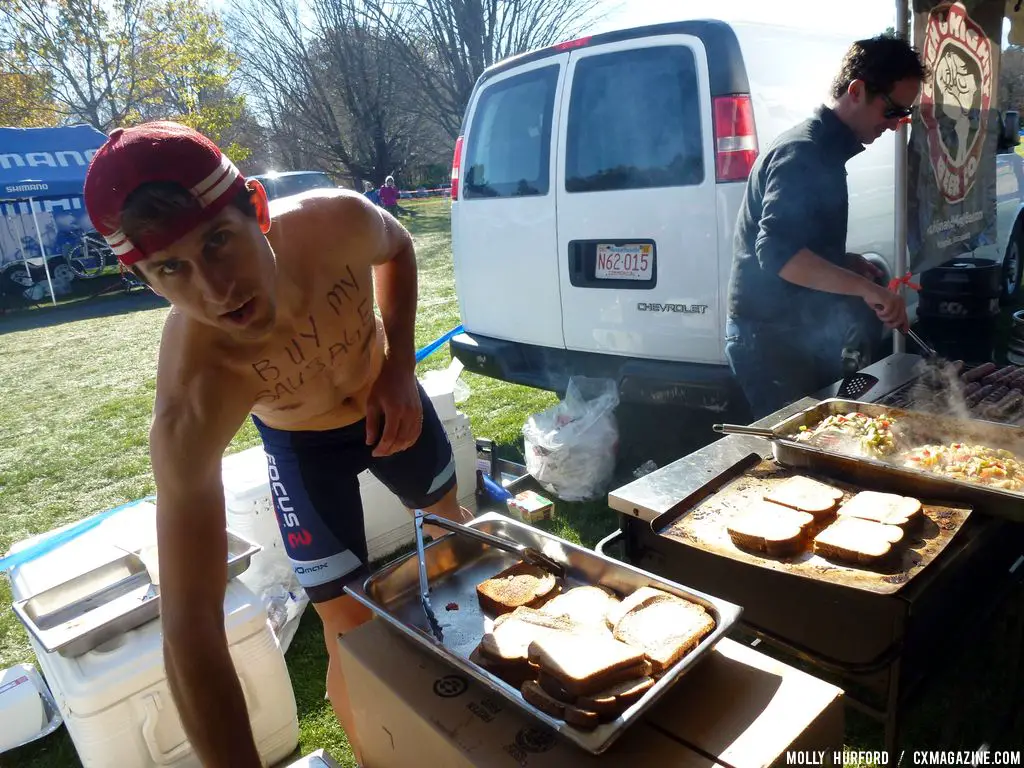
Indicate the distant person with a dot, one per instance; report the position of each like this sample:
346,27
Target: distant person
371,192
389,196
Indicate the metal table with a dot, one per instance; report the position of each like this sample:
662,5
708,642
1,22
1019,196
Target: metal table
642,501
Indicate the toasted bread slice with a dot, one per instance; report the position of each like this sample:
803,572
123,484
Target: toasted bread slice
585,667
887,508
771,529
666,627
509,640
613,701
581,718
542,700
585,605
631,601
856,541
805,495
515,673
521,584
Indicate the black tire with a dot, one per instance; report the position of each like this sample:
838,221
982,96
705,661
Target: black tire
85,266
1011,272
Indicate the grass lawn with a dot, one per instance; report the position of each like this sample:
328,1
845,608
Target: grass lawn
77,396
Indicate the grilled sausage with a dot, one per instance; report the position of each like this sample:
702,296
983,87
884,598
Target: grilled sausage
998,376
971,388
979,395
978,373
1006,405
1016,381
996,394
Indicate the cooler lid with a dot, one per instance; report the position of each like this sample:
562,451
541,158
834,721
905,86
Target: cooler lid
244,475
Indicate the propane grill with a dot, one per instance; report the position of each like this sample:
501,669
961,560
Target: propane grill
880,644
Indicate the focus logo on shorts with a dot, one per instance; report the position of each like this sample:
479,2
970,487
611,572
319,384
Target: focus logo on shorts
285,512
300,539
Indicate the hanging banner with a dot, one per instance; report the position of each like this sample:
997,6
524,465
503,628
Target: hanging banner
951,205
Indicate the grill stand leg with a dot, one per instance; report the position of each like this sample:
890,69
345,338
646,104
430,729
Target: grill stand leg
892,712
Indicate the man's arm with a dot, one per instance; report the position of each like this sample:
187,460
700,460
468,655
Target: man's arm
395,282
187,440
394,414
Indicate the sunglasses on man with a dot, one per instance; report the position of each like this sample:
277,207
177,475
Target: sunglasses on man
894,111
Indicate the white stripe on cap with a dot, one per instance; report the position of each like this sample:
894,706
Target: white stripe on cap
213,186
119,243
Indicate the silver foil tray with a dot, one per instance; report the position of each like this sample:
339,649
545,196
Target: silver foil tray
456,564
82,613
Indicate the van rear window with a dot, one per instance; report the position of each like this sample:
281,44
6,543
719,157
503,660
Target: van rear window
509,153
634,121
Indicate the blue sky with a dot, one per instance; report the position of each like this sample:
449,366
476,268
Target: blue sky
860,19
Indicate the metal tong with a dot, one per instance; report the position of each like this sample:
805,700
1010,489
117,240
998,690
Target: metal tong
929,351
526,554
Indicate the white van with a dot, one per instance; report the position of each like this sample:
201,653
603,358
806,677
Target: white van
595,187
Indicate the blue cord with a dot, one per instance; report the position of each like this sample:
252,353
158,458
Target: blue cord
428,350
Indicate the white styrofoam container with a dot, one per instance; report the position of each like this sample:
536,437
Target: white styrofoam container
387,522
115,700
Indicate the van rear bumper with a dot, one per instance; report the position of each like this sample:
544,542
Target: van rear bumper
640,381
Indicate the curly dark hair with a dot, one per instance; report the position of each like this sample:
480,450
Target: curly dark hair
880,62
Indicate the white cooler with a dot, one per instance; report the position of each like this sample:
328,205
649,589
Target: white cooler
115,699
389,527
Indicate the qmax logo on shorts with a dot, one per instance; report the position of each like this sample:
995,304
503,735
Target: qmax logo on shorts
955,100
285,512
302,570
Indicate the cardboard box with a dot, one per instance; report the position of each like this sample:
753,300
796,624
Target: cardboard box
737,709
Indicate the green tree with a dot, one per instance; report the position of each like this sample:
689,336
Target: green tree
115,63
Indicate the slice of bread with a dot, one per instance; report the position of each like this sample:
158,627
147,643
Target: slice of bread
887,508
856,541
542,700
512,672
581,718
631,601
521,584
613,701
585,667
666,627
805,495
509,640
585,605
770,529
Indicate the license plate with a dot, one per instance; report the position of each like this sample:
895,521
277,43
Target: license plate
624,262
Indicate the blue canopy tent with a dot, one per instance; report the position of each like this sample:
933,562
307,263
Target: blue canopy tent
45,164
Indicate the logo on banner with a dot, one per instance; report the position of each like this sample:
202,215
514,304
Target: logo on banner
955,100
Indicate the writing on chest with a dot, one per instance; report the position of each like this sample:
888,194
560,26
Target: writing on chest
332,338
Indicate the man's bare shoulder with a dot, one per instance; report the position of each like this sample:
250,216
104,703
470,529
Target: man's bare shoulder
337,206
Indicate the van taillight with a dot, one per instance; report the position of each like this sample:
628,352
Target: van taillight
456,164
735,138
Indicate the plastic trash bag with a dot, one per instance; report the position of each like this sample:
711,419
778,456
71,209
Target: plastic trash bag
571,447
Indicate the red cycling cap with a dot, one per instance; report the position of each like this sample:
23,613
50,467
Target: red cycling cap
158,151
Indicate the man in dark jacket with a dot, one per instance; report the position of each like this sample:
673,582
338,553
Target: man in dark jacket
795,294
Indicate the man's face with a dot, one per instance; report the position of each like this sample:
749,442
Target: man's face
222,274
874,114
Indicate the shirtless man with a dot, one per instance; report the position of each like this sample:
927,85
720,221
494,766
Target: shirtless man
272,315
